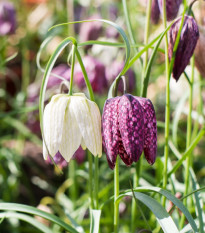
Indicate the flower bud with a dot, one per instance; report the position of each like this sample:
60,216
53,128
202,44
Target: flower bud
172,8
7,18
187,43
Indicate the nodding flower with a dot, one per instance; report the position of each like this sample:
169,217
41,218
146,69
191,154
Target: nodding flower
71,121
187,43
128,128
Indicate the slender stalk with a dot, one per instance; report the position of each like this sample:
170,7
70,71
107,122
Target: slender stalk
96,178
90,160
72,176
72,69
188,139
146,37
116,194
136,178
167,116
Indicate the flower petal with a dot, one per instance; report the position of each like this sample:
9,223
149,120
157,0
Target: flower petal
71,137
53,122
131,126
150,138
88,117
110,130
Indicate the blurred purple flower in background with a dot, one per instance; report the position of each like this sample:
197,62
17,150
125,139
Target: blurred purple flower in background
7,18
155,13
96,74
112,72
172,8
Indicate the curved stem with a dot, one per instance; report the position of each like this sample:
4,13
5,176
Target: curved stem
72,69
167,117
116,194
90,90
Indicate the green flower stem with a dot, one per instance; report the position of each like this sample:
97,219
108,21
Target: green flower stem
90,160
167,117
188,139
96,181
72,69
72,176
90,90
116,194
146,38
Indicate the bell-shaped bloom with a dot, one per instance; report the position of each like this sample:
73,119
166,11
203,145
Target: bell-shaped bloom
187,43
172,8
71,121
7,18
96,74
155,12
128,127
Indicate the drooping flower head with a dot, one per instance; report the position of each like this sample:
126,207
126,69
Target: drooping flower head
188,40
7,18
172,8
71,121
127,129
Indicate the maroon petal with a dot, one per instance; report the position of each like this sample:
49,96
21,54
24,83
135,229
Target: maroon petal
131,126
110,130
150,130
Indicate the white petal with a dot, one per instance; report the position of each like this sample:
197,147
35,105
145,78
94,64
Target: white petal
88,117
71,137
53,122
83,144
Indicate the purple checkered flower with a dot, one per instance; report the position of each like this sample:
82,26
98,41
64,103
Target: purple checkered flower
188,40
7,18
128,128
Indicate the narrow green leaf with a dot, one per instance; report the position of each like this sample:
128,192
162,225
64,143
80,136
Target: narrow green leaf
27,219
35,211
163,218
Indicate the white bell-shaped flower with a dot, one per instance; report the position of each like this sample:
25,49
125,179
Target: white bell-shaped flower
71,121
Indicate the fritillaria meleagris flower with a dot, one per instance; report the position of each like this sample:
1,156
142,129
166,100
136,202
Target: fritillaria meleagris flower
172,8
199,53
187,43
112,72
96,74
155,13
128,128
71,121
7,18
